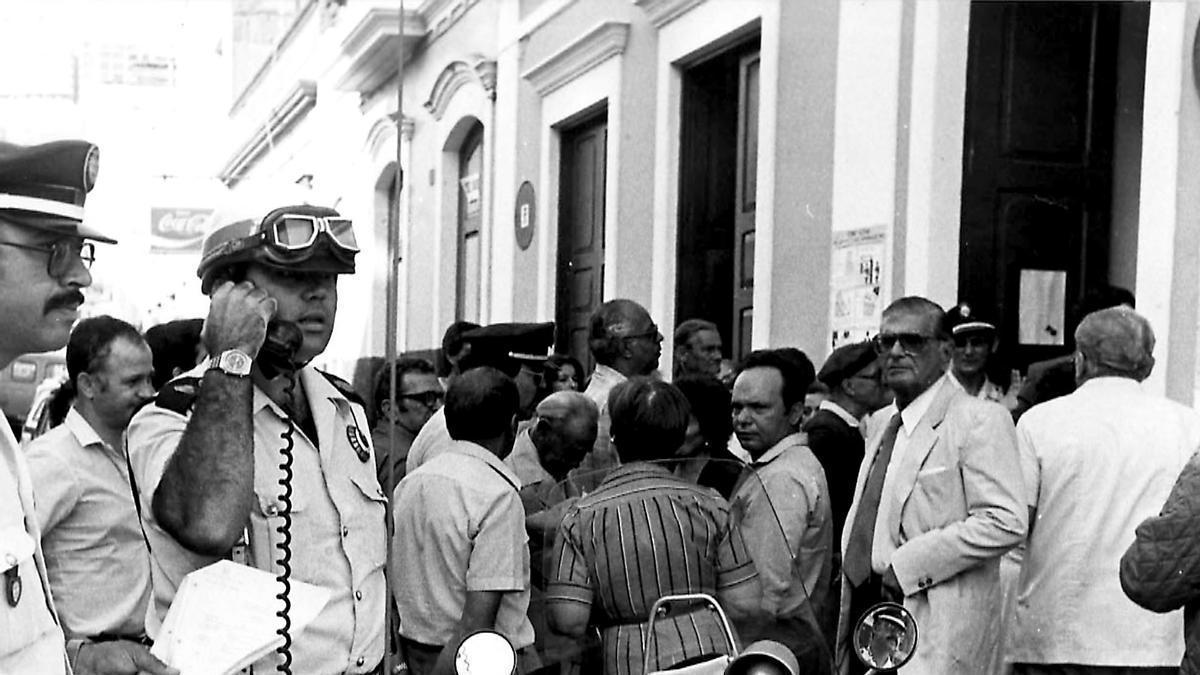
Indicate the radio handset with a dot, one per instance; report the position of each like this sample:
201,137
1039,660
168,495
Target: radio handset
278,352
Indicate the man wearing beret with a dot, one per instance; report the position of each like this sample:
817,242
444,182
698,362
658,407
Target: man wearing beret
45,253
853,375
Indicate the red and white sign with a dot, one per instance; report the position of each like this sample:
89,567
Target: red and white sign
178,230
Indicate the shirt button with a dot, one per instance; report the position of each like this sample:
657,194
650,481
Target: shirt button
345,531
10,559
358,596
360,661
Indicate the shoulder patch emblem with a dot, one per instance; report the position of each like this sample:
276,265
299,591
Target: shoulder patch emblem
359,442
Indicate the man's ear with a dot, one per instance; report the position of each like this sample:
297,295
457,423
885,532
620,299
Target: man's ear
86,385
796,413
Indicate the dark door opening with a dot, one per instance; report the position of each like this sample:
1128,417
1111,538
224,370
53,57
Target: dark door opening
470,222
1037,167
580,283
718,157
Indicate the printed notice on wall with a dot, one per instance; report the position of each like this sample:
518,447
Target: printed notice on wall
1043,307
857,284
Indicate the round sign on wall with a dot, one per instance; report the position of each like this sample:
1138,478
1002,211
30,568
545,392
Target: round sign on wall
525,215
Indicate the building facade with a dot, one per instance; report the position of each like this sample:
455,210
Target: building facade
781,168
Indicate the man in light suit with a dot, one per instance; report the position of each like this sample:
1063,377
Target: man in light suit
938,501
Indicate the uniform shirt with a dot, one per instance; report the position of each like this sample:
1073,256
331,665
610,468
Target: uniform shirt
460,527
783,511
432,440
882,546
988,391
90,531
338,538
31,640
1096,464
642,534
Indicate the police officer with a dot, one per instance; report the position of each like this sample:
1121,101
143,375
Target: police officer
45,253
208,453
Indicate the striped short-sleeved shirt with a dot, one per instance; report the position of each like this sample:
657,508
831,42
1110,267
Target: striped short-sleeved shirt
645,533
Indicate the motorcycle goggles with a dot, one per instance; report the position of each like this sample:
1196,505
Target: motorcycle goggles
297,232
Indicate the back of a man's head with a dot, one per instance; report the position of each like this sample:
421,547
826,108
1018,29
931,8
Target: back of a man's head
649,419
565,431
1116,342
452,346
610,323
176,346
480,405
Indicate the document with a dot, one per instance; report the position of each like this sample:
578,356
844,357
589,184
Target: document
224,618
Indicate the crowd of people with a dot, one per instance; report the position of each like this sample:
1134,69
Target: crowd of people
1040,526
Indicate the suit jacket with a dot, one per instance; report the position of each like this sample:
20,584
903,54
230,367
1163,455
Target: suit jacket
839,448
959,490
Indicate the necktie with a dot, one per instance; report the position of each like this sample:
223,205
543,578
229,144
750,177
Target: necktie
857,565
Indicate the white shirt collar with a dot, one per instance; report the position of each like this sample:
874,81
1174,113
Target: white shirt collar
82,430
912,414
839,411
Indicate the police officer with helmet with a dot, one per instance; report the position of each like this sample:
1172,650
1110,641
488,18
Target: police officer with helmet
45,253
207,454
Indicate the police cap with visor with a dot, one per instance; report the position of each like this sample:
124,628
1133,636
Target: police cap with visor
300,237
44,186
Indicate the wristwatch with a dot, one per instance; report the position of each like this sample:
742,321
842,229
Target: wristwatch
231,362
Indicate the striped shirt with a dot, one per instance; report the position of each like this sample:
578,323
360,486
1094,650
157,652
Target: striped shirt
645,533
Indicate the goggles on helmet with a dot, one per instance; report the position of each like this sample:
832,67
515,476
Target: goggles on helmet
296,232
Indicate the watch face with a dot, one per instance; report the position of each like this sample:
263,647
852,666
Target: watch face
235,362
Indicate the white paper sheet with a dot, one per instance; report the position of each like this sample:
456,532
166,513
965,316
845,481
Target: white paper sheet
223,618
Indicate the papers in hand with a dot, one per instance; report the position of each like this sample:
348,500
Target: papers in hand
223,618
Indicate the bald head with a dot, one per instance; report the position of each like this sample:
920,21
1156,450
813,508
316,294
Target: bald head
624,337
564,430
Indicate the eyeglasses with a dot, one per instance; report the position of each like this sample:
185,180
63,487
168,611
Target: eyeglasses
63,253
296,232
910,343
653,334
429,399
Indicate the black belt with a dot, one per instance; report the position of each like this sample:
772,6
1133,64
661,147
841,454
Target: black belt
143,640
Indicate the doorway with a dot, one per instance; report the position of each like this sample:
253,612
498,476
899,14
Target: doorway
470,224
1038,165
718,159
580,278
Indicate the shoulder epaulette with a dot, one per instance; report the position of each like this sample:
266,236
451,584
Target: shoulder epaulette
178,395
344,388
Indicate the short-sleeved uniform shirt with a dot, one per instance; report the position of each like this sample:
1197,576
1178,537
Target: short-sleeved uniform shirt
642,534
460,527
90,531
338,536
31,640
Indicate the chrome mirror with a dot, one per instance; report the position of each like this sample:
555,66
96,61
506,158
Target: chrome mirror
885,637
485,653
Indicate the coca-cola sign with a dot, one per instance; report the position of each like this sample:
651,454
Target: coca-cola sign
178,230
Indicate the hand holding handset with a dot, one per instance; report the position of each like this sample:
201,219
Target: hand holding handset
278,352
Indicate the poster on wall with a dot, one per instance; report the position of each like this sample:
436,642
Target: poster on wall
856,284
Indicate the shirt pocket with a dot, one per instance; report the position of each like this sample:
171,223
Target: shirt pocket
266,519
367,521
20,626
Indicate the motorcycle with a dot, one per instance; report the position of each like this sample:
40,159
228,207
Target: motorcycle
885,638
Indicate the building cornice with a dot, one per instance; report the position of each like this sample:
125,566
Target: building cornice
441,15
663,12
453,77
371,47
294,106
602,42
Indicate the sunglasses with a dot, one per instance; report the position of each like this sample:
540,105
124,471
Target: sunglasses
296,232
429,399
910,343
63,254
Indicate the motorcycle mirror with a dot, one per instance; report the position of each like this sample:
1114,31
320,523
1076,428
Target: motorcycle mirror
885,638
485,652
765,657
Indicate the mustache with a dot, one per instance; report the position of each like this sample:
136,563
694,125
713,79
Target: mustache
68,300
